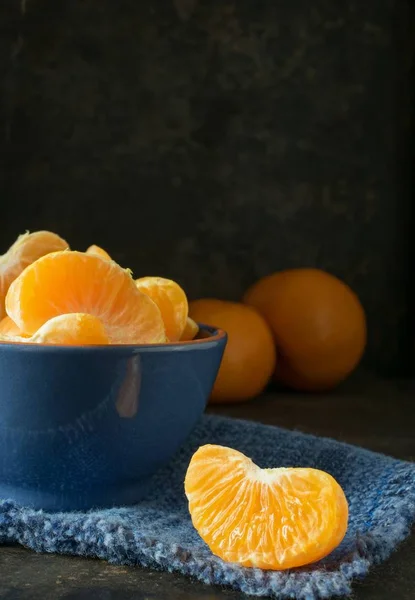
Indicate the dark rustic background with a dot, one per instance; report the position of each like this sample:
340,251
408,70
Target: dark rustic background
214,142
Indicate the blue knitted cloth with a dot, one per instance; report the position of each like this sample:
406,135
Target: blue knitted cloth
158,533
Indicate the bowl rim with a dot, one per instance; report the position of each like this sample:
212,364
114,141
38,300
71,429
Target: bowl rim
216,335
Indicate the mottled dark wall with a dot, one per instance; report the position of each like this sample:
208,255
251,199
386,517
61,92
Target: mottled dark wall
217,141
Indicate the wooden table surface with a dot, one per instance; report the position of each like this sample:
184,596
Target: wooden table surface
379,415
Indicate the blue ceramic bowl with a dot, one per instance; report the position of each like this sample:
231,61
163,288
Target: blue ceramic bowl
84,427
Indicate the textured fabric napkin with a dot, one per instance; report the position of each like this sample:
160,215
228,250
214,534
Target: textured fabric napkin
158,533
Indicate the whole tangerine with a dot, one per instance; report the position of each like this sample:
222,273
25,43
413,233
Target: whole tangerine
249,359
318,323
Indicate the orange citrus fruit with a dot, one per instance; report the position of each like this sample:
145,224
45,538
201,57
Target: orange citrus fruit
318,323
76,282
74,329
98,252
267,518
249,357
205,306
171,300
190,331
25,250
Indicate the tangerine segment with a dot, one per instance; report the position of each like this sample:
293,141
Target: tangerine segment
13,339
98,252
191,330
25,250
10,333
8,328
74,282
266,518
74,329
171,300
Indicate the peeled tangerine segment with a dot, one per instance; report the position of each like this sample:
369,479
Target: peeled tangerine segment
8,328
75,329
98,251
25,250
76,282
190,331
171,300
267,518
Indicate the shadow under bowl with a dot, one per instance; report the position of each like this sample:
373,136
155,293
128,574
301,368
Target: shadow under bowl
87,427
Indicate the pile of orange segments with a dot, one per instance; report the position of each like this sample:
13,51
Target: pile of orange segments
52,295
